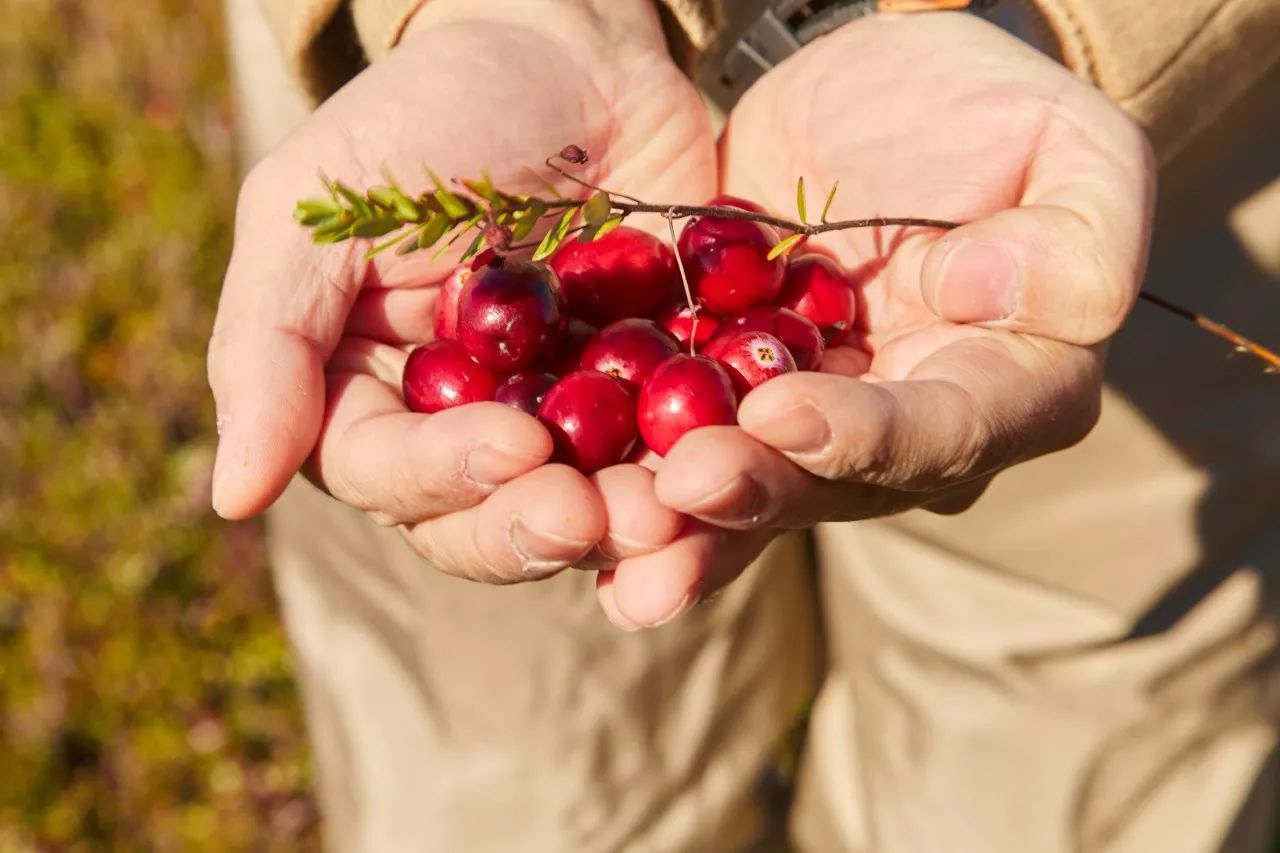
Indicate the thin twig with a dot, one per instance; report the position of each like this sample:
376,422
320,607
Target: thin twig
1213,327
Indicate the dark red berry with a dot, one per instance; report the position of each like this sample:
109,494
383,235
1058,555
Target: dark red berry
447,303
440,375
799,334
626,273
592,419
751,358
629,350
524,391
678,320
684,393
727,261
577,334
816,287
510,314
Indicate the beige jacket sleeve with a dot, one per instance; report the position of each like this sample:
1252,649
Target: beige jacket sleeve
1175,65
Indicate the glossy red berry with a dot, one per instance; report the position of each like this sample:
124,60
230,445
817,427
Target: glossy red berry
816,287
751,358
799,334
678,320
592,419
447,302
524,391
440,375
510,314
727,262
626,273
629,350
684,393
565,359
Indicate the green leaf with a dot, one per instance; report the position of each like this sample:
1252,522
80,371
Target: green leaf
785,246
473,249
449,201
314,211
376,227
801,206
433,230
527,219
337,229
484,188
831,196
556,235
451,204
398,240
382,196
597,208
358,205
466,226
592,233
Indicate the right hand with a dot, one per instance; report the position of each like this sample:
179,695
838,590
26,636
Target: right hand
309,341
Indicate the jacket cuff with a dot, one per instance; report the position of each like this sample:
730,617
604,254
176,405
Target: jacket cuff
1173,66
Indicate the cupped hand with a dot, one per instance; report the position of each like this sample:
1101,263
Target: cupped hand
309,341
977,349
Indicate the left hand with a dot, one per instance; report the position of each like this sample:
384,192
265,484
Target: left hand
979,348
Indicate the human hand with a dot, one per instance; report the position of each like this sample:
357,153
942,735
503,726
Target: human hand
978,348
307,350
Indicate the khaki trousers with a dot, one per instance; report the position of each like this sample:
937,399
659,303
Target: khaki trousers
1085,661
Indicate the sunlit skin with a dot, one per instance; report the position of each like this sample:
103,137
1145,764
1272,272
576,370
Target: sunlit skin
952,380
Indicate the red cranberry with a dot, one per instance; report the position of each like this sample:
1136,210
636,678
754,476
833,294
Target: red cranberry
727,261
751,358
726,200
440,375
799,334
626,273
510,314
447,303
524,391
591,418
816,287
684,393
629,350
577,334
678,320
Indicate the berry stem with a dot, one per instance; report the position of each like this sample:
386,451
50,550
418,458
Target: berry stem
1241,343
688,291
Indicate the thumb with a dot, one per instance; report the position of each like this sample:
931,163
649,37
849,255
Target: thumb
1038,269
280,316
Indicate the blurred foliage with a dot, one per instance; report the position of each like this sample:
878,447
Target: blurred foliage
146,699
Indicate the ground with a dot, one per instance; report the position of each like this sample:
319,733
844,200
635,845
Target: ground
146,699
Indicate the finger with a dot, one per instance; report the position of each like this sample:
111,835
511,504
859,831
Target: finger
361,355
400,315
404,467
281,313
637,522
656,588
608,604
1068,262
725,477
529,529
974,406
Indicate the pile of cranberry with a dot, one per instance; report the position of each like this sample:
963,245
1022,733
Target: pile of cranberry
597,344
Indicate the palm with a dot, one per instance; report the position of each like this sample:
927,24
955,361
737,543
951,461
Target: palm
928,118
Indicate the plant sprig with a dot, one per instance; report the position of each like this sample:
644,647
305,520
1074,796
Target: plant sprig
504,222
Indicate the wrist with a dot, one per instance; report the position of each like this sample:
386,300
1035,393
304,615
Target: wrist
619,24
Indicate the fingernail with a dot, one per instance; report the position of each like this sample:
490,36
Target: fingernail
742,499
802,429
686,603
490,466
544,553
976,282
